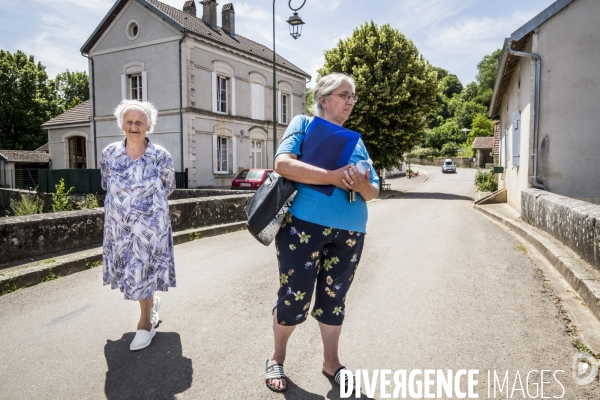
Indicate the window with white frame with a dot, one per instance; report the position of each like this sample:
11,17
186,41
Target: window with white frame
134,82
222,154
136,87
284,108
221,94
256,153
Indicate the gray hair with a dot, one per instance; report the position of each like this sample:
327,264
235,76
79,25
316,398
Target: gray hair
147,108
326,85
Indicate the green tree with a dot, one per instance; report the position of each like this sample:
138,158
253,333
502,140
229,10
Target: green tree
482,126
396,87
309,102
466,112
487,70
450,85
449,149
448,132
26,101
70,89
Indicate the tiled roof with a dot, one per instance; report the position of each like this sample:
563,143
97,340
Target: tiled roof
77,114
45,148
24,156
198,26
483,142
496,149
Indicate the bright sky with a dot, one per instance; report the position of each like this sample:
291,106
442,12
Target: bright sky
452,34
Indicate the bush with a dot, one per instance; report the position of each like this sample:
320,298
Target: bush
90,201
486,181
426,152
449,149
28,205
62,198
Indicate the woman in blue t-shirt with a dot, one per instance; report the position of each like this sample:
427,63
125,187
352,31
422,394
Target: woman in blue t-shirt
321,239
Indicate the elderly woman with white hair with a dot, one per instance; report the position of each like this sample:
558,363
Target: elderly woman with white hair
320,242
138,176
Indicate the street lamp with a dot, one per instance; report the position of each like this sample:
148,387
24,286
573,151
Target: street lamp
295,23
466,131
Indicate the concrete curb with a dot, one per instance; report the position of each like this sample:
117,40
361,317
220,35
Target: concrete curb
31,274
584,279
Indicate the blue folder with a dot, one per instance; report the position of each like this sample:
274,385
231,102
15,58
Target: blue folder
328,146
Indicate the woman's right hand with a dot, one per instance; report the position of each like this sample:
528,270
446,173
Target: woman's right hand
339,177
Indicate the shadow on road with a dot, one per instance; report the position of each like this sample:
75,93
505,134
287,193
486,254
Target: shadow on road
295,392
157,372
395,195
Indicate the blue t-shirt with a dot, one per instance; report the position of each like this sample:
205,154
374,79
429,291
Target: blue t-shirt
310,205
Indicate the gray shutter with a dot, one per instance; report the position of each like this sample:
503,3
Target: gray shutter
232,95
144,86
123,87
214,91
215,157
516,141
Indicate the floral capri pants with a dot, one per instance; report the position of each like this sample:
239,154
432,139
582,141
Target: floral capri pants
309,253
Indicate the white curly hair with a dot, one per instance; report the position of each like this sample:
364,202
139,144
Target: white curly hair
146,107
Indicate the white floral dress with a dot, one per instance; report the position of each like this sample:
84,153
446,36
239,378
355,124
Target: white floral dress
138,253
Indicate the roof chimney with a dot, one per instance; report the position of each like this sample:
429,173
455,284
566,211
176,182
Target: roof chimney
228,18
209,12
189,7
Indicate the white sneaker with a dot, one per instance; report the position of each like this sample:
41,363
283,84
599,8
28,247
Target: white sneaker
142,339
155,308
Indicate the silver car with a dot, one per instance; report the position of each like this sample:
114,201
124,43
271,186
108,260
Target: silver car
448,166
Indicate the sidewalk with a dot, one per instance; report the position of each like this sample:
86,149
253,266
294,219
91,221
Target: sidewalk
25,273
400,184
584,279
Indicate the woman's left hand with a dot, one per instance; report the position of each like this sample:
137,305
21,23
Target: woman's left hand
354,180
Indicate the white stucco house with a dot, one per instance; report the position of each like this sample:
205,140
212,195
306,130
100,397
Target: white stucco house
212,87
547,98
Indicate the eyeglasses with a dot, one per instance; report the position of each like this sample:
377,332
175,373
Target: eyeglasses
346,96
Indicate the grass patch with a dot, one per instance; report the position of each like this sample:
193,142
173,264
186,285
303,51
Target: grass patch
541,273
51,260
579,345
50,277
521,248
92,264
194,236
11,287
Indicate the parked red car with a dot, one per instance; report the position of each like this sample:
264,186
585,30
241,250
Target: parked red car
250,179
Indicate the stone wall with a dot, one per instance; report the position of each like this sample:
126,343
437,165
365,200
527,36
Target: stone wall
36,235
459,162
6,195
574,222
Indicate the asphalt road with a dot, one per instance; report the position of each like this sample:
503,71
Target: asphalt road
438,287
